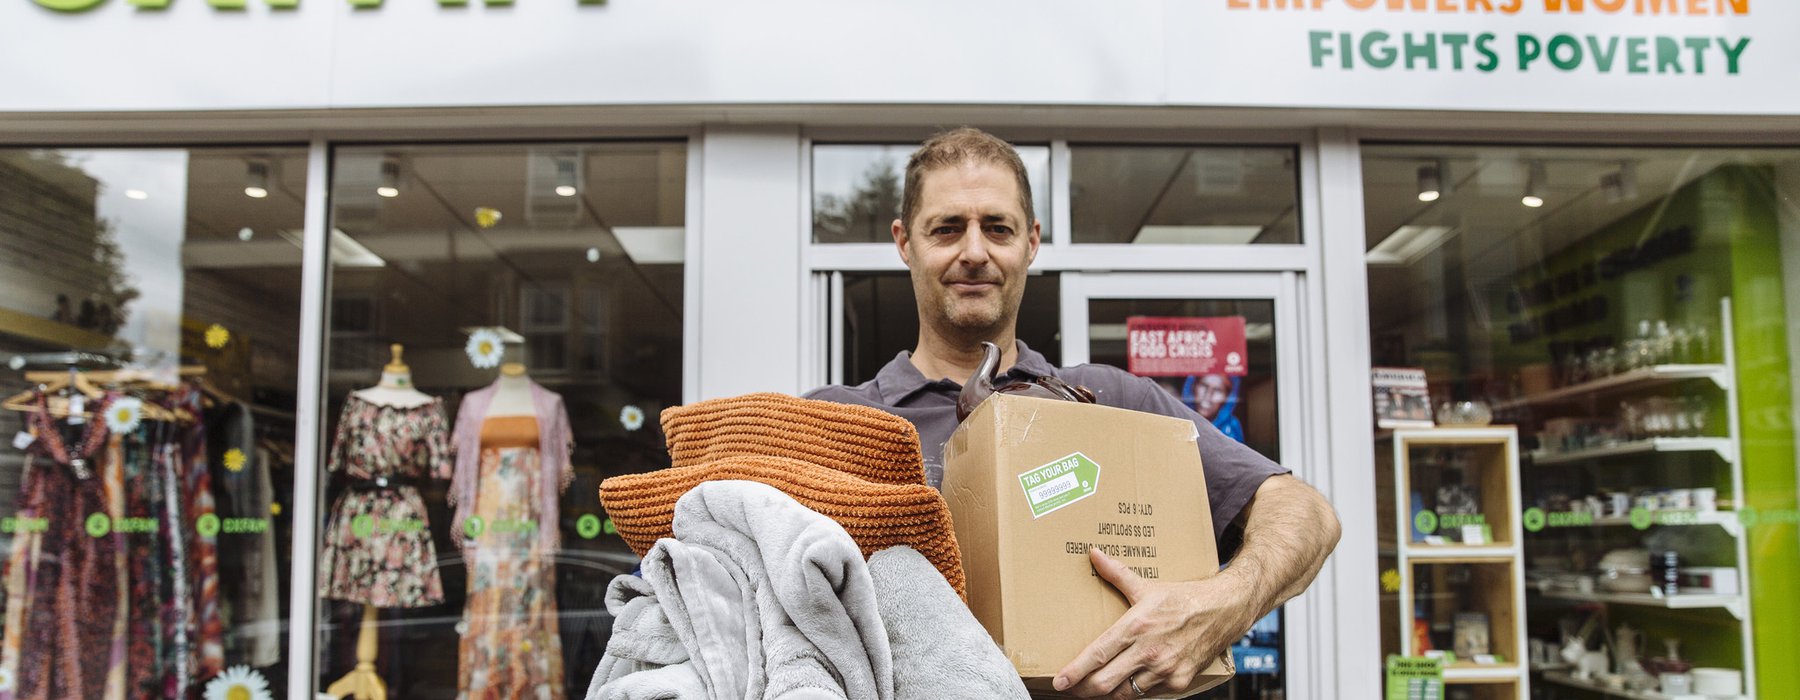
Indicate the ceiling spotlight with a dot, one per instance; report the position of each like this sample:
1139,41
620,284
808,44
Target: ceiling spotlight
593,255
1431,182
137,194
1534,186
245,234
565,178
256,180
390,180
1620,185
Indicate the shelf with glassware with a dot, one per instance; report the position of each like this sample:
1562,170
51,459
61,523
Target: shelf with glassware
1663,460
1458,569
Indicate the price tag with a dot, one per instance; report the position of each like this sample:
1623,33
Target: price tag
77,406
23,440
1488,659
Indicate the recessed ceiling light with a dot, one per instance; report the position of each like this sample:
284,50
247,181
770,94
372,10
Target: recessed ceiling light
593,255
245,234
137,194
565,190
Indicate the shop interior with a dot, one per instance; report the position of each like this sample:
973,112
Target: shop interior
1597,332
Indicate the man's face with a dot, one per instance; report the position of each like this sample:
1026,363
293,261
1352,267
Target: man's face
1210,393
968,248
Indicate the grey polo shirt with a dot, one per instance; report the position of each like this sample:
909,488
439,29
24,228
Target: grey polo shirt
1233,471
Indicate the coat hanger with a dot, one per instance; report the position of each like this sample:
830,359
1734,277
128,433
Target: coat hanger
50,382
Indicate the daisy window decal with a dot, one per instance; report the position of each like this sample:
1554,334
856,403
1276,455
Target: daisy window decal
631,417
123,415
234,460
238,683
217,336
6,680
485,348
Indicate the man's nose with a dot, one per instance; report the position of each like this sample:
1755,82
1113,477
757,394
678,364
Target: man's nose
974,247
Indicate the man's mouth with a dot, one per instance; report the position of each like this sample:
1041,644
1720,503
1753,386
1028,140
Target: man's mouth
971,286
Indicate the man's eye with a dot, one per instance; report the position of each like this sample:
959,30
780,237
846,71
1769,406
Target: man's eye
1000,230
943,230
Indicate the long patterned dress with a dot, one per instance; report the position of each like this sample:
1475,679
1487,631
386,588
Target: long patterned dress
510,647
377,548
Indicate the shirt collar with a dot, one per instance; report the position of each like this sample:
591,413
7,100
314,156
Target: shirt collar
899,379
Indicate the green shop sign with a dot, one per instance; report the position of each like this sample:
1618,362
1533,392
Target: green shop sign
240,5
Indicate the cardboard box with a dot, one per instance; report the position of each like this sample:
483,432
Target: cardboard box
1032,483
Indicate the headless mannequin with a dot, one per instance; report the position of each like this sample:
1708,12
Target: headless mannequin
513,396
395,391
396,387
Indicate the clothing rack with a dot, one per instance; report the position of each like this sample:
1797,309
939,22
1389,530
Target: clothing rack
67,359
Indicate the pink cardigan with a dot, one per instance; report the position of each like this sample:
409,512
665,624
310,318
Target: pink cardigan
555,444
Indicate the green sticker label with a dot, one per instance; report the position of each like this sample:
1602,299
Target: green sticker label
1426,521
362,525
474,526
1060,483
609,528
98,525
207,525
588,526
1534,519
1414,678
1641,518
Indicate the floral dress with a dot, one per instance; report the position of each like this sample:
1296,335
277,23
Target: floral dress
378,547
510,646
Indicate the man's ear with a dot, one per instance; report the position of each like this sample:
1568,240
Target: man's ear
1037,229
899,231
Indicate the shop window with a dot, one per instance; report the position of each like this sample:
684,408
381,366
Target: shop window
857,189
149,321
881,319
522,285
1159,195
1586,473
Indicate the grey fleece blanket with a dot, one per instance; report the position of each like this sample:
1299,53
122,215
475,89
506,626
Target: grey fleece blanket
940,650
767,598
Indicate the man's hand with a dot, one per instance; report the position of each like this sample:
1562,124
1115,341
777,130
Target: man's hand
1172,631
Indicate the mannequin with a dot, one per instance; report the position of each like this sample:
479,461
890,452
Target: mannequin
363,683
396,386
514,396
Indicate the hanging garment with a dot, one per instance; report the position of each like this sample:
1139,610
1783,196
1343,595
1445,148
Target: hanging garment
510,646
207,628
377,547
768,598
554,446
62,604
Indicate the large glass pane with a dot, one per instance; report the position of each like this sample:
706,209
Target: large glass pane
856,189
534,293
881,318
1239,402
1624,315
1206,195
149,318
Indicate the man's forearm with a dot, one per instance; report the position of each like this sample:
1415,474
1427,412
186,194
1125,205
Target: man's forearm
1289,530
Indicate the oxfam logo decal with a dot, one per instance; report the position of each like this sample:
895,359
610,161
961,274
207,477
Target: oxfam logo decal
240,5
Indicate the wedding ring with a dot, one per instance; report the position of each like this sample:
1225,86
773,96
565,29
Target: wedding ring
1134,686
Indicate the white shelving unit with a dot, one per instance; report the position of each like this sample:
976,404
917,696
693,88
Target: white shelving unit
1501,584
1725,448
1723,378
1564,679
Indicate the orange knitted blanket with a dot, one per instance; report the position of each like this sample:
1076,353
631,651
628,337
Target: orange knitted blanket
858,466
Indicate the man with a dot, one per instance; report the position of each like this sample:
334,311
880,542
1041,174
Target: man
967,233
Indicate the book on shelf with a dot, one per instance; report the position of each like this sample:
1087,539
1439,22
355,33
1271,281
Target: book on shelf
1402,398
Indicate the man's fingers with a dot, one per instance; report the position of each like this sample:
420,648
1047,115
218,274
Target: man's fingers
1097,655
1114,679
1116,573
